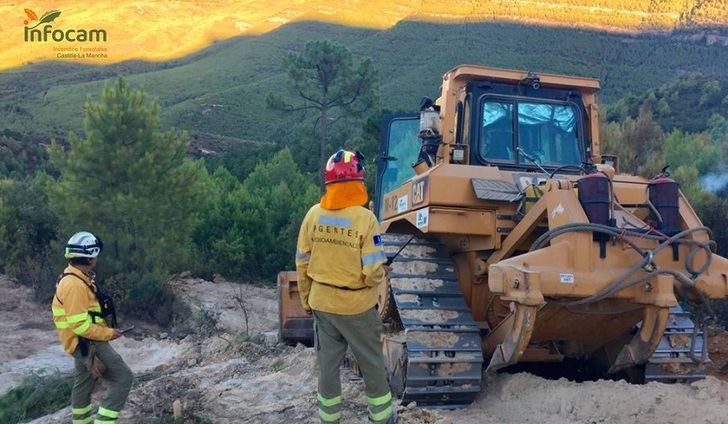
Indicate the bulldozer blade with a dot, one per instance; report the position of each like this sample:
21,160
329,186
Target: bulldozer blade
294,324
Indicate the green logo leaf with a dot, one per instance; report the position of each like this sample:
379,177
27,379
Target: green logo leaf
48,17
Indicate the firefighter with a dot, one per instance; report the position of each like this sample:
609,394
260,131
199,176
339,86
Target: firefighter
340,263
83,325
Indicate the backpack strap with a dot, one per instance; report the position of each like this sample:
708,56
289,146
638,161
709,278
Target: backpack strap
104,300
66,274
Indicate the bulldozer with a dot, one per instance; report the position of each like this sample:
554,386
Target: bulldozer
514,240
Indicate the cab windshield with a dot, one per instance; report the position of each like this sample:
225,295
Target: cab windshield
549,132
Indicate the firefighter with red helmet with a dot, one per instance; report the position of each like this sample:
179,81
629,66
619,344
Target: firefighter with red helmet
340,262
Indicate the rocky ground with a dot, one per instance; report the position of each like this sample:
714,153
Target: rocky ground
218,376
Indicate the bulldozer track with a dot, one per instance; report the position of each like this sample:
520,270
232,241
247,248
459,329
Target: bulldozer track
442,361
673,361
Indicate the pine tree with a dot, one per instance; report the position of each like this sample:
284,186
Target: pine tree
132,185
324,82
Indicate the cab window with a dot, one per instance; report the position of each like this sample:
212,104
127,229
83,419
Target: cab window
497,131
549,132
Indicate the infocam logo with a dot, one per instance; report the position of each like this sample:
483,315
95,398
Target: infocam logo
46,32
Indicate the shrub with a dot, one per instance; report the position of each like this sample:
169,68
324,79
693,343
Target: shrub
249,230
28,230
36,396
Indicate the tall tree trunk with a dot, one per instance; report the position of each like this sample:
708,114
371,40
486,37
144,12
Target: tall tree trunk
324,135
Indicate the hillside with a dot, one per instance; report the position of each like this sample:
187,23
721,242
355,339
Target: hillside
152,30
220,91
687,104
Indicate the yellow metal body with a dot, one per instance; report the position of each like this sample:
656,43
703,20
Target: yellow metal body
507,287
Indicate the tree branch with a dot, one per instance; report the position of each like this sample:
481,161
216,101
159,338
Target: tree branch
310,99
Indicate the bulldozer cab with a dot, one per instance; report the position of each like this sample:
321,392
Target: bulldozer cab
516,125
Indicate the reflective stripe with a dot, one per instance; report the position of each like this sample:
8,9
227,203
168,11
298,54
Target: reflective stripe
328,401
82,328
109,421
335,221
58,312
379,416
300,256
61,324
108,412
381,400
81,411
86,420
329,417
373,258
83,316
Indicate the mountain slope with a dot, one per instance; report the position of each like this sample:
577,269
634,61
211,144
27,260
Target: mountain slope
221,90
153,30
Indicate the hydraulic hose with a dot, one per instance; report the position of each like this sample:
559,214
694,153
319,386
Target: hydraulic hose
625,280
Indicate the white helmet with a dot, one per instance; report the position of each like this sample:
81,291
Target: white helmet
83,245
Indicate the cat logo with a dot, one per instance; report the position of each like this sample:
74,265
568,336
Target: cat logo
419,191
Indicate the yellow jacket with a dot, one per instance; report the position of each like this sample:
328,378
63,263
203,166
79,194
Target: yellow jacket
339,260
73,307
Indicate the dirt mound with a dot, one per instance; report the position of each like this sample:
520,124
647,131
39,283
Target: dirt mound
521,398
228,300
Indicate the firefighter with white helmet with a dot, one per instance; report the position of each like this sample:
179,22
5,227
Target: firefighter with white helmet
340,262
84,320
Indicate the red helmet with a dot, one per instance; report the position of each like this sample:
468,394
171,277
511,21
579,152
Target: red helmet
344,166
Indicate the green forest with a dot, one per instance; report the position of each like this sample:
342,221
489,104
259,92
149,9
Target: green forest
204,164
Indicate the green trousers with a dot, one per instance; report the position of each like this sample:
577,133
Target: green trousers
118,376
361,332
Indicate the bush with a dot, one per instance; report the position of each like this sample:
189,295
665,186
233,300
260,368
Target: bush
36,396
151,301
205,322
249,230
28,231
